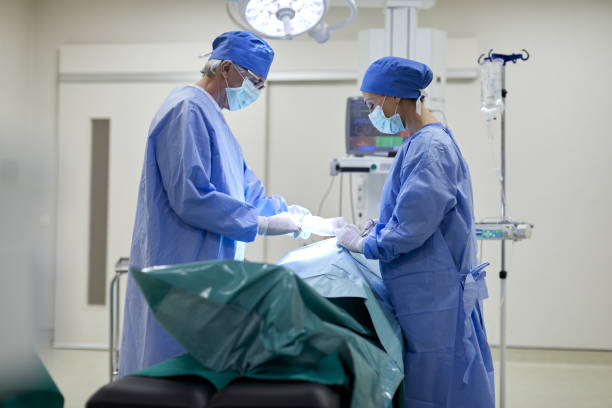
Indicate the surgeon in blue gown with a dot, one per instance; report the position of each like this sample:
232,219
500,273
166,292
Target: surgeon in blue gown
426,245
198,199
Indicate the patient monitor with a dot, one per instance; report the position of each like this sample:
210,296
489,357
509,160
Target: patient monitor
362,138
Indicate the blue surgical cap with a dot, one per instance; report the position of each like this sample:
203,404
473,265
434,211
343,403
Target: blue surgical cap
245,49
397,77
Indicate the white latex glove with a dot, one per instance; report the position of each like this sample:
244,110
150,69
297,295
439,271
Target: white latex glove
279,224
350,238
369,226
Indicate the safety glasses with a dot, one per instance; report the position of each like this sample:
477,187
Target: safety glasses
258,82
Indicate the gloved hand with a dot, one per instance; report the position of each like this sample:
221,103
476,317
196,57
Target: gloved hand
279,224
369,226
350,238
299,213
337,224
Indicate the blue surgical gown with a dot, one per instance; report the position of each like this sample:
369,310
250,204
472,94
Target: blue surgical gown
426,246
197,200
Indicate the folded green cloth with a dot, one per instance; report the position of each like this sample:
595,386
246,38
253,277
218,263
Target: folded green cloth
244,319
328,371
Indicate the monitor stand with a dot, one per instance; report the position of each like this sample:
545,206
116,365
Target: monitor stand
371,175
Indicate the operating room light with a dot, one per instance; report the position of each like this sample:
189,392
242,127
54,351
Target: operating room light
285,19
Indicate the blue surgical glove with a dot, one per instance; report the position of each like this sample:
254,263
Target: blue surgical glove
350,238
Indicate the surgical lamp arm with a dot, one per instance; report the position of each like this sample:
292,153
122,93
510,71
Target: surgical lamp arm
231,15
322,31
353,7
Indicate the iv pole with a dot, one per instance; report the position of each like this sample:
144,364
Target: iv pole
503,273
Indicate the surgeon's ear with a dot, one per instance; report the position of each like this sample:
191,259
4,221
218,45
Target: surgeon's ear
226,65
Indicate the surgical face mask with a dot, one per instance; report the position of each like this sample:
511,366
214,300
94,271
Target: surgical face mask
391,126
239,98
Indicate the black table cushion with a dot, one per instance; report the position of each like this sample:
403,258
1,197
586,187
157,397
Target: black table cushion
133,392
195,392
271,394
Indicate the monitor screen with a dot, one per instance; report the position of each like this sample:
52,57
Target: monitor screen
362,138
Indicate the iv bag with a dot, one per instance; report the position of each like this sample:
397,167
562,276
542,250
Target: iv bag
491,87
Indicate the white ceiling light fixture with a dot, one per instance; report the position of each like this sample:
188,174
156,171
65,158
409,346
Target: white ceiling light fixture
285,19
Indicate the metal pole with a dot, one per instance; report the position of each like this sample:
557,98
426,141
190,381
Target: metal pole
121,267
117,325
111,334
502,346
503,273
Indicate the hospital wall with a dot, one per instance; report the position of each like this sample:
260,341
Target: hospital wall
558,142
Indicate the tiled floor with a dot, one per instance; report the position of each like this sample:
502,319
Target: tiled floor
557,379
77,373
535,378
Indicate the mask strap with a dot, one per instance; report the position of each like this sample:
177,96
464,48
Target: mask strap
243,78
422,95
397,105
